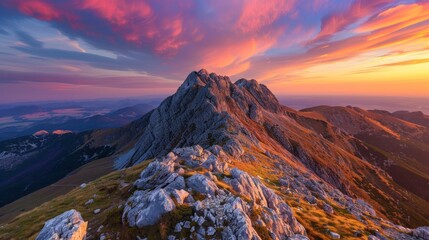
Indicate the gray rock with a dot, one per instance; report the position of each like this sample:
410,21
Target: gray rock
89,201
280,218
328,209
202,231
334,235
213,164
233,148
97,211
298,237
372,237
211,217
187,224
421,232
228,234
198,205
189,199
178,227
68,225
200,221
202,184
240,225
145,208
211,231
157,174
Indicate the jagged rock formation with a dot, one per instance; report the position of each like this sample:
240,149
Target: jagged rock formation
226,215
67,226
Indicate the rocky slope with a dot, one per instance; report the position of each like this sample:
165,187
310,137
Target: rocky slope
227,161
395,142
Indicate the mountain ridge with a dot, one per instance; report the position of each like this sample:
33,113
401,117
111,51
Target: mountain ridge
209,110
215,144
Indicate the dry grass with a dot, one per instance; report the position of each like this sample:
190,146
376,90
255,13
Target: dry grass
105,191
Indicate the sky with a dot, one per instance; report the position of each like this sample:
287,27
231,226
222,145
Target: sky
83,49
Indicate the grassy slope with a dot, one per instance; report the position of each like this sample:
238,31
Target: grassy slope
88,172
108,197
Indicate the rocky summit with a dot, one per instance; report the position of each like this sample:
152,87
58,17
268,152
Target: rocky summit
224,160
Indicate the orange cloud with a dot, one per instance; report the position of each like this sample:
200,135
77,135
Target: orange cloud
408,62
401,15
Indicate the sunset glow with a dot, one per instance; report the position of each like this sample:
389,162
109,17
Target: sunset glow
120,48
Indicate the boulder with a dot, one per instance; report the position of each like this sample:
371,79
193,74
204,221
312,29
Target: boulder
211,231
179,195
67,226
157,174
213,164
146,208
334,235
202,184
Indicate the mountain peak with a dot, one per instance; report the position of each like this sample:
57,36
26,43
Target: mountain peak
207,109
203,78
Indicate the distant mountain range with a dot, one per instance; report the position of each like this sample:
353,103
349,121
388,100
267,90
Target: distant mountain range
226,160
26,120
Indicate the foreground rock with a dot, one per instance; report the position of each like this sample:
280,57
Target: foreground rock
218,213
67,226
146,208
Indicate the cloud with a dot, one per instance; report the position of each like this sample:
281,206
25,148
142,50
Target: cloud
404,63
209,33
338,21
27,39
139,81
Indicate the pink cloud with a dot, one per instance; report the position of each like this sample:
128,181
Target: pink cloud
359,9
38,9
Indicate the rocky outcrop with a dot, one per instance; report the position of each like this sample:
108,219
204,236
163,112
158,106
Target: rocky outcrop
67,226
220,213
421,232
202,184
279,217
146,208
